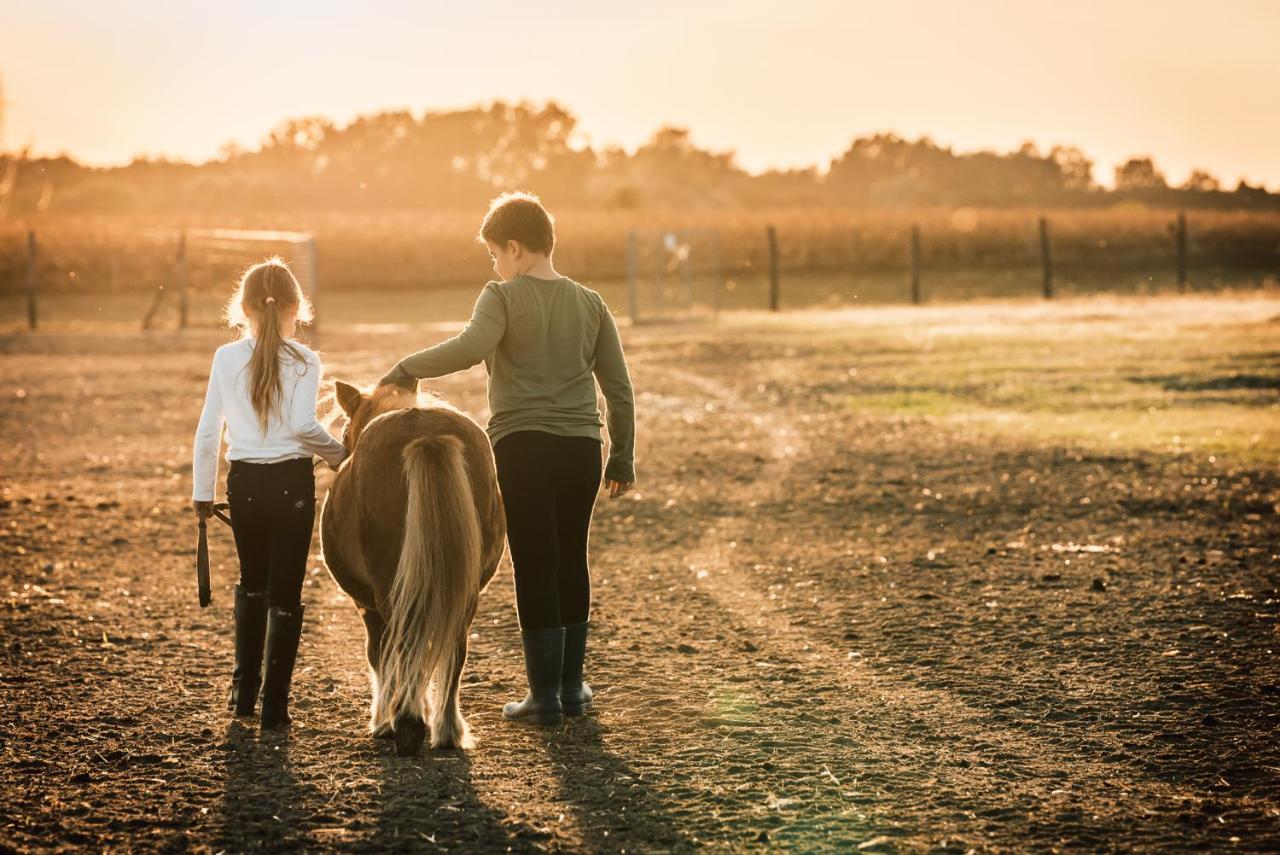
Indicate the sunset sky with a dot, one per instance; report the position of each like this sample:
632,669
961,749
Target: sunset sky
1194,84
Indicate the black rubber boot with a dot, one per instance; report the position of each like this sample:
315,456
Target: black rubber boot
251,631
543,660
575,695
284,628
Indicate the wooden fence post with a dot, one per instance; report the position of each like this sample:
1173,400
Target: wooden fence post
915,265
156,299
313,263
180,273
684,252
1045,261
717,275
32,314
775,288
1180,245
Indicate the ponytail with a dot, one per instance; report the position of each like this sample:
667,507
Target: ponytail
265,291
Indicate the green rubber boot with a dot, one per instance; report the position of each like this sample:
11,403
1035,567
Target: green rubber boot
575,695
543,660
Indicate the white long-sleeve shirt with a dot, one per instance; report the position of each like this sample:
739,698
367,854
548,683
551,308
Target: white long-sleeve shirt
292,430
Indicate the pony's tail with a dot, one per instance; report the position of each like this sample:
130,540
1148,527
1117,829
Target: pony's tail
433,596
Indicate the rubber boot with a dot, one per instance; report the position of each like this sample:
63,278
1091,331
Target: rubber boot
284,628
575,695
251,631
543,660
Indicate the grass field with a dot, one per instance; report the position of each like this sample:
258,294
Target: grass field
1000,575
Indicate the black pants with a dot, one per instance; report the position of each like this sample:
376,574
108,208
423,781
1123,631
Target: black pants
549,485
273,508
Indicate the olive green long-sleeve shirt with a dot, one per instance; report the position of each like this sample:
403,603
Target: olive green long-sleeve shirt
545,344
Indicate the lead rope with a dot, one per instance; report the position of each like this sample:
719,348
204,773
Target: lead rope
218,512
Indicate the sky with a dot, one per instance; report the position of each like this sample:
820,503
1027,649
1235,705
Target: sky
1193,84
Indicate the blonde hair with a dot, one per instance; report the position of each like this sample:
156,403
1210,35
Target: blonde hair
265,292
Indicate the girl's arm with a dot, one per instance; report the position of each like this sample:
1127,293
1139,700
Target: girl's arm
204,455
478,340
302,418
615,381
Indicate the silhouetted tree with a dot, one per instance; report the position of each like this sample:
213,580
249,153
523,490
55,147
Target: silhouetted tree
1076,168
886,169
670,169
1200,181
1139,173
454,159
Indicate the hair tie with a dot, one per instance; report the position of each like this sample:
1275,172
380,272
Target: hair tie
270,299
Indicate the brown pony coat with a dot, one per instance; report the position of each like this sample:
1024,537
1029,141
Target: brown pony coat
413,530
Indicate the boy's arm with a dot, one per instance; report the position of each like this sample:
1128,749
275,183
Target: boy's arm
479,339
611,372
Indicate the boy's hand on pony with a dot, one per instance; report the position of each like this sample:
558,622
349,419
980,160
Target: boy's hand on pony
203,510
401,378
617,488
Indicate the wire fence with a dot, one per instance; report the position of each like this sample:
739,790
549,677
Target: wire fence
655,274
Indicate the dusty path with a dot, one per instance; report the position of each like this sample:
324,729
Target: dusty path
819,625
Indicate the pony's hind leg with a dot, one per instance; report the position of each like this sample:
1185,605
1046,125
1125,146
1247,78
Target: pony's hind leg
407,729
374,626
448,728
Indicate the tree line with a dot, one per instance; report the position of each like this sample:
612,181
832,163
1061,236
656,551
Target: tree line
458,159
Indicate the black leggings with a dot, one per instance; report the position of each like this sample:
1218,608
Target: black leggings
549,485
273,508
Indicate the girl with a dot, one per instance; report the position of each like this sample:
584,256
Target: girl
546,341
264,387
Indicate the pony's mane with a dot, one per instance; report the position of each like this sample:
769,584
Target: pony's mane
384,399
391,398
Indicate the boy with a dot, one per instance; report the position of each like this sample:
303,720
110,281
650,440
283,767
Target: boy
545,341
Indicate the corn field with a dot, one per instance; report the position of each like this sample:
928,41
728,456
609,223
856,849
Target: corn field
413,250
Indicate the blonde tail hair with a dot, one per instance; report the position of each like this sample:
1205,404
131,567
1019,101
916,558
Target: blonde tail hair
433,596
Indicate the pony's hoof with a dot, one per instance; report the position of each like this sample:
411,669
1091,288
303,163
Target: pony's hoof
454,735
410,733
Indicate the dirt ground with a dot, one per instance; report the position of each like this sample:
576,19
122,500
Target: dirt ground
991,577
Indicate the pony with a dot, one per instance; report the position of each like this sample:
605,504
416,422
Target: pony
413,529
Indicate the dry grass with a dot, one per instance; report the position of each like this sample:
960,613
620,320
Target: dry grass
418,249
858,600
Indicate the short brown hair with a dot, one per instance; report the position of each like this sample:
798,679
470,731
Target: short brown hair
519,217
